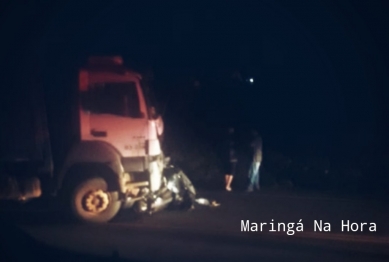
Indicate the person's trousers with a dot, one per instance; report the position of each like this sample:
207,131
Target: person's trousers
254,176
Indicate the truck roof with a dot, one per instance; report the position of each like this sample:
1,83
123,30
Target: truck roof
109,64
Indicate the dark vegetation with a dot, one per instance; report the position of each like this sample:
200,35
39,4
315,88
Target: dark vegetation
194,140
200,157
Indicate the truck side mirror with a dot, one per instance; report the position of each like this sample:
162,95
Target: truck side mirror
153,113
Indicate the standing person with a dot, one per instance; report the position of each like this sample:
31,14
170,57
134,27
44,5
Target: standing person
231,160
256,145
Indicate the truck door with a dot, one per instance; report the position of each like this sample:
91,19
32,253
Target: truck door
111,112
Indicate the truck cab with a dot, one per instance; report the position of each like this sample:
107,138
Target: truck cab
118,132
116,160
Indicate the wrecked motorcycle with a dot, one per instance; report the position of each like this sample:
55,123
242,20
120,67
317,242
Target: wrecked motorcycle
176,193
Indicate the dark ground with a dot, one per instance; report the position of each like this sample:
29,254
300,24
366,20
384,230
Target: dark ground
215,233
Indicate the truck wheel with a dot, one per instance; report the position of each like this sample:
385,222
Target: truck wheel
91,202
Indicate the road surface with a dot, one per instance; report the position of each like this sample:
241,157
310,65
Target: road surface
216,233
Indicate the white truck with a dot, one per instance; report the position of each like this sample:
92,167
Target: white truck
115,158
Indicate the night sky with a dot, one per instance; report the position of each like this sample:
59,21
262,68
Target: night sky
320,67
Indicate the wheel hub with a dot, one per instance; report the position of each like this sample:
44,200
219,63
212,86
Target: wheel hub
96,201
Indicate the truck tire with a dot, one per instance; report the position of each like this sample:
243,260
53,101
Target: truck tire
91,202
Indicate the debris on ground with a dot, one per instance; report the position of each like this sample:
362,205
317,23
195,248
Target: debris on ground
206,202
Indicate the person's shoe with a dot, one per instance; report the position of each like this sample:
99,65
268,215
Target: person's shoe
229,189
249,190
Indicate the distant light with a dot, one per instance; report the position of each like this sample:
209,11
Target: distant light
251,80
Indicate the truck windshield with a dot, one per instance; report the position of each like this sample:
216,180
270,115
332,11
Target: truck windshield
113,98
